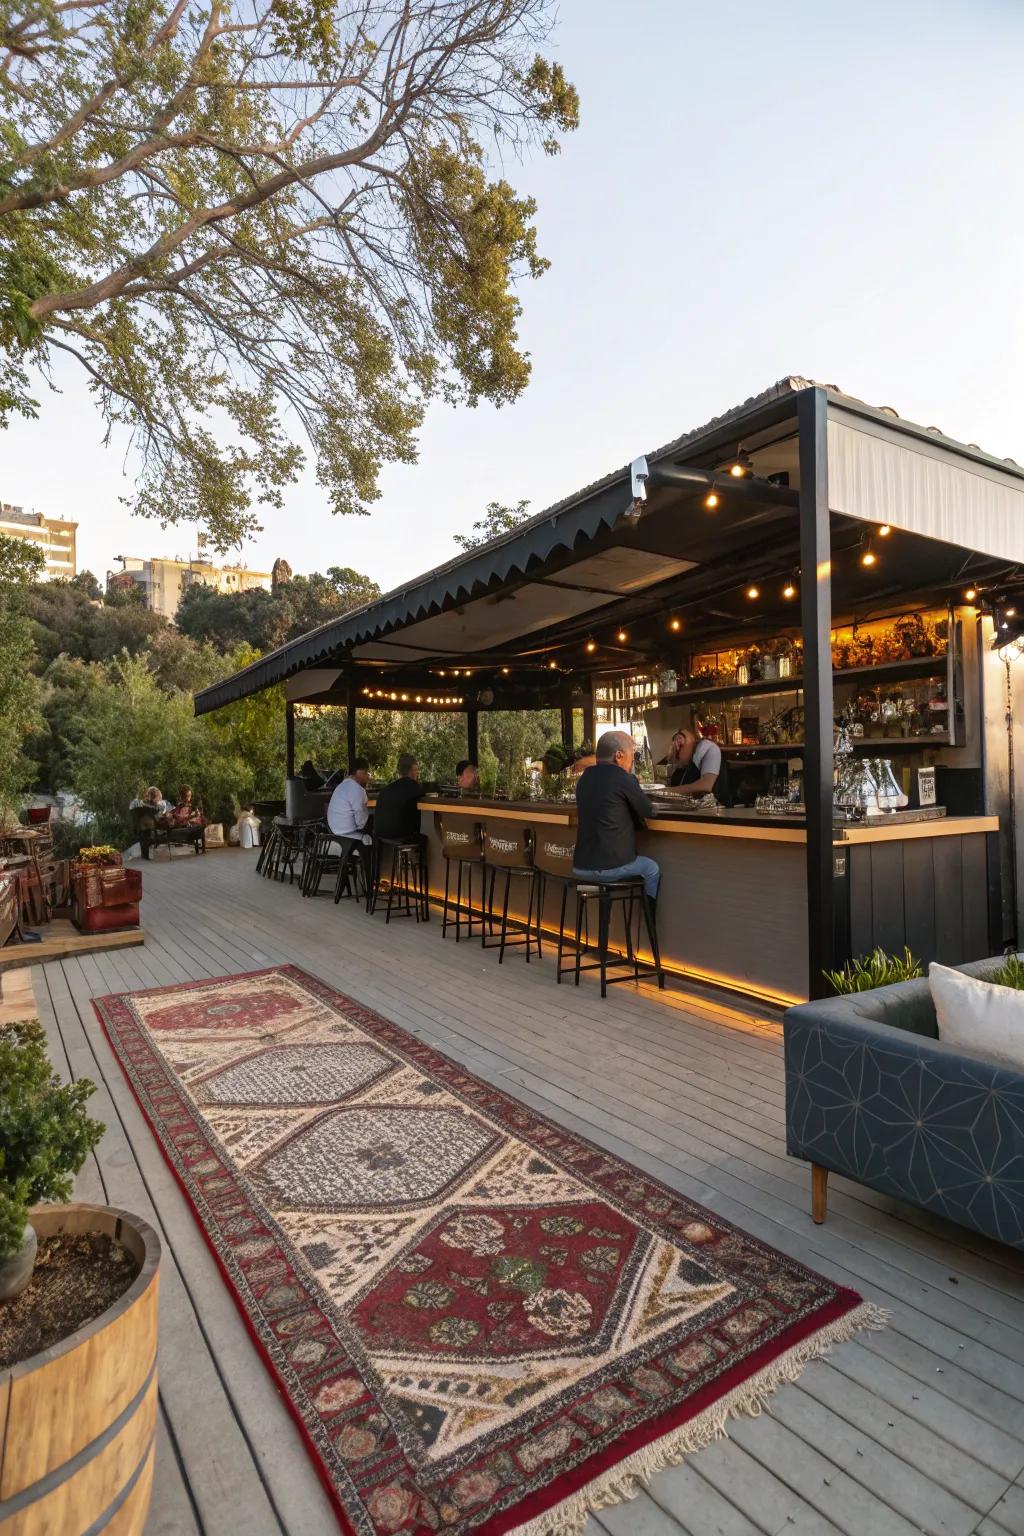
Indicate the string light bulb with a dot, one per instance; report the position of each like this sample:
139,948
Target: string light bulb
590,647
505,671
884,531
553,665
789,590
711,500
869,557
675,625
970,594
622,636
753,593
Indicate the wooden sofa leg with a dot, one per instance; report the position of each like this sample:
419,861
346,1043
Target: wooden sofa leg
819,1192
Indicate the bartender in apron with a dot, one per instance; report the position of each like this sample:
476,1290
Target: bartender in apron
695,768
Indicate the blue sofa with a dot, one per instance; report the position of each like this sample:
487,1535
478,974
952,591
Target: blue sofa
873,1094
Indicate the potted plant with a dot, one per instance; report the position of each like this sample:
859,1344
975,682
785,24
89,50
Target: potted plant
78,1314
45,1137
104,895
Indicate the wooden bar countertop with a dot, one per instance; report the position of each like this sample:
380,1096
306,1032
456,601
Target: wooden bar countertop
740,822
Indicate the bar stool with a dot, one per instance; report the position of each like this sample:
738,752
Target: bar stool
508,849
283,850
462,845
609,894
352,870
407,879
324,856
554,851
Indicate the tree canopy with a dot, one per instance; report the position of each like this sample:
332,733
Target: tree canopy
268,619
268,229
497,519
20,566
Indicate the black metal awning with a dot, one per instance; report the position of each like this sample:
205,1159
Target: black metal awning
562,535
580,560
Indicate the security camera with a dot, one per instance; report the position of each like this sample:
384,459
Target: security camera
638,473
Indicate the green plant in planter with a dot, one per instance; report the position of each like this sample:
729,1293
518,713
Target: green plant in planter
1011,973
875,970
45,1133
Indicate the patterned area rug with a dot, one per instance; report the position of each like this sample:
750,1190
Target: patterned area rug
481,1322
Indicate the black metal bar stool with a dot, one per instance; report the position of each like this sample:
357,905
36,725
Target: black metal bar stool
268,842
407,879
508,850
554,850
353,870
323,857
462,845
283,850
608,894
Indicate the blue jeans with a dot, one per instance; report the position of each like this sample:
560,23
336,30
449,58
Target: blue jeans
639,868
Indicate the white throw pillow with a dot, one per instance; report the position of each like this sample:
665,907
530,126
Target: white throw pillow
978,1015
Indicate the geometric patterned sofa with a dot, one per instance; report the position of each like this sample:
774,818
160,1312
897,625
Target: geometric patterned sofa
873,1094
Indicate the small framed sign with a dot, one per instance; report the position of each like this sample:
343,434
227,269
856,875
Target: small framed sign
926,786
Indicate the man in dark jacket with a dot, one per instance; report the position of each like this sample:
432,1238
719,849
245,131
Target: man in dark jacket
397,815
611,805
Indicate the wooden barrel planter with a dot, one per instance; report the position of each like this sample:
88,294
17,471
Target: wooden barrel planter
78,1420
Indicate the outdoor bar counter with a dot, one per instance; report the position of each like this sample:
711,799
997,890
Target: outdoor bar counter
733,903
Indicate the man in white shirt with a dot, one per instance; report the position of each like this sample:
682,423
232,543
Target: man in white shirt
348,812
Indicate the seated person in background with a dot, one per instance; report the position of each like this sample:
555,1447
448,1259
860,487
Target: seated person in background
467,777
310,777
695,765
150,800
611,805
185,812
152,811
347,811
397,816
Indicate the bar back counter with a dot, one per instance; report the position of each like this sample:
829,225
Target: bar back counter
733,905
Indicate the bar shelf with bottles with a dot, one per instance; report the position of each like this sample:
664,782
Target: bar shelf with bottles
897,683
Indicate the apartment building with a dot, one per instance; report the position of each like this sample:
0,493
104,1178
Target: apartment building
164,581
54,536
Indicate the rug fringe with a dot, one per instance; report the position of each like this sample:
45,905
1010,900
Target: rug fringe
630,1476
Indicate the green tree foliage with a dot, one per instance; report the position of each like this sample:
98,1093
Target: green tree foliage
20,565
132,732
251,221
496,520
45,1133
68,621
268,619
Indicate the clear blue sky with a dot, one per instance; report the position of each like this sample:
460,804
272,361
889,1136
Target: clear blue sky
828,189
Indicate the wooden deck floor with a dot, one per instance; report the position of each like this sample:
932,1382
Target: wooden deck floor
918,1428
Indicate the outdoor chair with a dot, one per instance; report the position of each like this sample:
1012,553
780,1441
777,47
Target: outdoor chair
874,1094
149,835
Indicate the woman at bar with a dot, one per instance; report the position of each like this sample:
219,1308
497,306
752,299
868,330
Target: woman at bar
695,767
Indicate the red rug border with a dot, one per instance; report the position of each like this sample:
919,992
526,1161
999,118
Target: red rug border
561,1488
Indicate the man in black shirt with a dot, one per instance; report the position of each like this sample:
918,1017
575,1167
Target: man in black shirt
397,815
611,805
